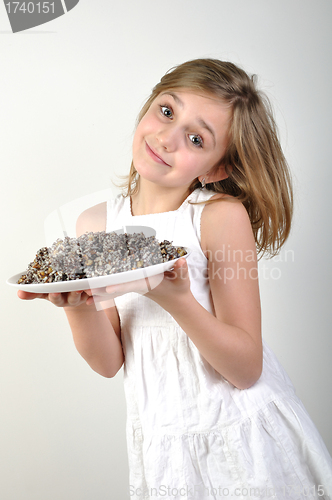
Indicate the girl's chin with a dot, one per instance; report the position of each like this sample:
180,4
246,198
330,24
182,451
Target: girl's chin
165,184
152,171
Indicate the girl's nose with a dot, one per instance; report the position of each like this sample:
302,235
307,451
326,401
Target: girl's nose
168,138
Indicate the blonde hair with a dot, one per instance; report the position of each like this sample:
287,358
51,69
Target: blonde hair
258,173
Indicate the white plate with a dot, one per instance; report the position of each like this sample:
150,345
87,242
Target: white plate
97,282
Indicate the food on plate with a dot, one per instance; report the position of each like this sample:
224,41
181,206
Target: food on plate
97,254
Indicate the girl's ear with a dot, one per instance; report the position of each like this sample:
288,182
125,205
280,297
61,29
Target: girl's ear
217,174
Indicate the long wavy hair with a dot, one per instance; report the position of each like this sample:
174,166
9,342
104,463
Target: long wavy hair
258,174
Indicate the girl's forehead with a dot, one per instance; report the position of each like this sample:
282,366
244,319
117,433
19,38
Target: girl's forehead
192,91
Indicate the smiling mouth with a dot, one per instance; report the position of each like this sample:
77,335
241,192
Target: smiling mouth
154,155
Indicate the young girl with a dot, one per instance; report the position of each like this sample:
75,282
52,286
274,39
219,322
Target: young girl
211,413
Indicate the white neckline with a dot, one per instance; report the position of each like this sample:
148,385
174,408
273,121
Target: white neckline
177,210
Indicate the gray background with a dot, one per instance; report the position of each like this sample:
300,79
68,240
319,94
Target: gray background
70,91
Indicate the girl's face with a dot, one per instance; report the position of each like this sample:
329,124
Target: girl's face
182,137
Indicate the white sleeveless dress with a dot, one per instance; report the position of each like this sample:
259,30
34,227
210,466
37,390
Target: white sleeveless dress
191,434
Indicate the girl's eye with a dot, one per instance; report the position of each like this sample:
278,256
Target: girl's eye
166,111
196,140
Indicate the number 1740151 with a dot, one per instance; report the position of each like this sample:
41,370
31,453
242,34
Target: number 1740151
30,7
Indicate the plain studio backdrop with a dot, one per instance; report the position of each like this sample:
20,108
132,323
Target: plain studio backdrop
70,91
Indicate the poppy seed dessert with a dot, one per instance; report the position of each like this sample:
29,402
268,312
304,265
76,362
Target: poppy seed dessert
97,254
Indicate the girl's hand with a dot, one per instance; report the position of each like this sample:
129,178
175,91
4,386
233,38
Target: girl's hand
69,299
174,288
165,289
141,286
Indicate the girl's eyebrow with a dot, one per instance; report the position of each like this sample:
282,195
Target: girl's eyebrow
175,97
201,122
209,129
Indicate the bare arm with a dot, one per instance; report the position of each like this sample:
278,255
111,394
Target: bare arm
231,340
96,333
97,337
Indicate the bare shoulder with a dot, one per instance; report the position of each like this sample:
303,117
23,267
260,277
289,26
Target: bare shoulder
224,210
92,220
225,220
224,204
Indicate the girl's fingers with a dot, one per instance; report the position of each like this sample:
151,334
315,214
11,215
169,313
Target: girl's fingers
181,264
90,301
74,298
57,299
95,295
141,286
100,301
30,296
179,271
71,299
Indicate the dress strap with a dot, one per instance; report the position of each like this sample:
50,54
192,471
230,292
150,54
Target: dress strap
197,201
114,207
